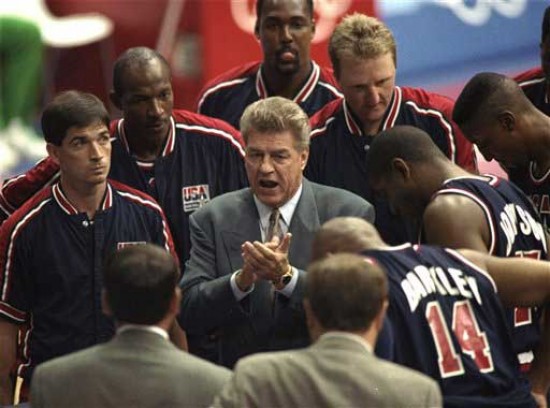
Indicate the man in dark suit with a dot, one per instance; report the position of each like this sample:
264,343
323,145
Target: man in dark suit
139,367
243,284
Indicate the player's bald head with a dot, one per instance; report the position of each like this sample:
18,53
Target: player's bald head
410,144
136,57
485,96
345,234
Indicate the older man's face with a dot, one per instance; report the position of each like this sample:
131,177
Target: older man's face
274,166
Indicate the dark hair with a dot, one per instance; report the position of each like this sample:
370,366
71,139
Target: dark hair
475,95
68,109
260,4
408,143
545,25
139,282
346,292
137,56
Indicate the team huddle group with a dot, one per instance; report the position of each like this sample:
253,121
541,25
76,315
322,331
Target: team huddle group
323,233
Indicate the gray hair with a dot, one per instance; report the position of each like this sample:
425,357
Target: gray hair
275,115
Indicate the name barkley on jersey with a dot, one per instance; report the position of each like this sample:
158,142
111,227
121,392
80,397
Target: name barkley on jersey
423,281
513,220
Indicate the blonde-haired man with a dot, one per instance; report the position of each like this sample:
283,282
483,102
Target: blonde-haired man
363,54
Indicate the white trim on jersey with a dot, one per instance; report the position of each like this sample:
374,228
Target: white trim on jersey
484,208
444,123
218,132
472,265
221,85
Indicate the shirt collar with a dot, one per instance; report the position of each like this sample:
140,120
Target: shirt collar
304,92
286,210
70,209
169,144
151,329
349,336
354,125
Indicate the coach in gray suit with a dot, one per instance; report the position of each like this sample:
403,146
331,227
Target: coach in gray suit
243,283
346,299
139,367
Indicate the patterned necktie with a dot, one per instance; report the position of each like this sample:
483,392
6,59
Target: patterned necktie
274,228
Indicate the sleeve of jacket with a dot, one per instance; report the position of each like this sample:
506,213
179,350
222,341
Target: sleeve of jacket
17,190
208,301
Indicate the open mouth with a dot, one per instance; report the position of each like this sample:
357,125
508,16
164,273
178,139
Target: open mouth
268,184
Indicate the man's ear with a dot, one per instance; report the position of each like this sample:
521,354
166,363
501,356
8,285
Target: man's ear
379,319
115,99
507,120
105,307
53,152
313,22
401,167
175,302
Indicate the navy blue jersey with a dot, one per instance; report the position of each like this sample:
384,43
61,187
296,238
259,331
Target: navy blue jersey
51,257
202,158
227,96
536,188
337,152
535,87
515,230
448,323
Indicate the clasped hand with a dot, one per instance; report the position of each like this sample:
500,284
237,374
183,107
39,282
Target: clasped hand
268,261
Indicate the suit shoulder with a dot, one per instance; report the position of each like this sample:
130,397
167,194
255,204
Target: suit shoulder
223,205
326,194
407,375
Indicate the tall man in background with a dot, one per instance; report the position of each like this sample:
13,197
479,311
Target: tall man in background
285,29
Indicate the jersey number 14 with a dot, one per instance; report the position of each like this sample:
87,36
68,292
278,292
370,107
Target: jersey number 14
472,341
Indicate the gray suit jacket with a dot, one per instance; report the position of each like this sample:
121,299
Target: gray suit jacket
334,372
135,369
255,323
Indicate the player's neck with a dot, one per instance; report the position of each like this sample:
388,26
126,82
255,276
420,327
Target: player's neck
146,148
286,86
85,198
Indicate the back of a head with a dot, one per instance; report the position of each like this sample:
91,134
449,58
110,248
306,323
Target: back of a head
345,292
134,57
485,95
71,109
411,144
139,282
276,115
344,234
360,36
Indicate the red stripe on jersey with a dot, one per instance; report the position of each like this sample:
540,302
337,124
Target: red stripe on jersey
209,126
394,108
10,232
63,201
320,120
353,127
146,200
